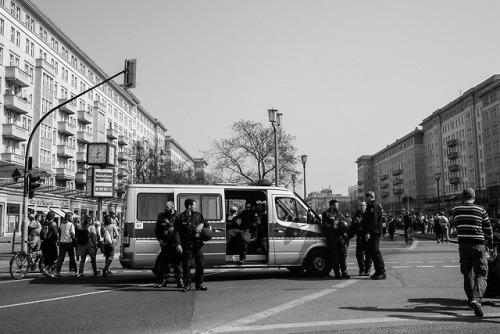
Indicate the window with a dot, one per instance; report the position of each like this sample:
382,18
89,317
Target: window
209,205
2,27
288,209
149,205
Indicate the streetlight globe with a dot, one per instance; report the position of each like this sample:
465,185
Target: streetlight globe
303,158
272,115
279,118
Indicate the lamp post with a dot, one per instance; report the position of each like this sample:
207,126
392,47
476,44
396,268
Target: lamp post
294,179
439,199
275,119
303,158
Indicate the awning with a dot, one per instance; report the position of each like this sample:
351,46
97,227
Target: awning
44,210
59,212
69,211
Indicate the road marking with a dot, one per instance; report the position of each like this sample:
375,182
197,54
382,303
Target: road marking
241,323
400,267
413,262
425,266
70,296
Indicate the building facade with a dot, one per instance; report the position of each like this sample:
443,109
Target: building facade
457,147
42,69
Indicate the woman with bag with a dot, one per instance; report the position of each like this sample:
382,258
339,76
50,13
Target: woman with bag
49,236
86,238
66,244
109,235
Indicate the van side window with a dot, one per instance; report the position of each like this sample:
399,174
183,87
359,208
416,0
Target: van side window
209,205
149,206
288,209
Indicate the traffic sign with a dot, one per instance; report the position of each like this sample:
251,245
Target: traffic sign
16,175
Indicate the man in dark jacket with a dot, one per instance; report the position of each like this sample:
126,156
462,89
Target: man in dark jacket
364,261
336,229
187,230
164,232
372,227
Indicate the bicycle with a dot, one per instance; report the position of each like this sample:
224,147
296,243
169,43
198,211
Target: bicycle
26,261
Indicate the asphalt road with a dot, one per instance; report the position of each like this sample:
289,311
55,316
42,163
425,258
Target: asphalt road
423,293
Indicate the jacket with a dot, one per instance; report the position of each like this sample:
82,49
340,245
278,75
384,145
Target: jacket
185,229
372,219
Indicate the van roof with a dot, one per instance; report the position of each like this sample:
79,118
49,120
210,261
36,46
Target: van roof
205,186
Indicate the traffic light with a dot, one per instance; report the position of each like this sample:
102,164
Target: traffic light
129,74
33,183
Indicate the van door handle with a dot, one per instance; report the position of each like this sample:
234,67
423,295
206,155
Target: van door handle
279,230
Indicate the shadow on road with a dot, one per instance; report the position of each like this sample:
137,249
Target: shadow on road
434,309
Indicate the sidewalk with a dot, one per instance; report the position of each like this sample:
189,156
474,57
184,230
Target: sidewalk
428,236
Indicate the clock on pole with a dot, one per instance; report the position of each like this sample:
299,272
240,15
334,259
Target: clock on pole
101,154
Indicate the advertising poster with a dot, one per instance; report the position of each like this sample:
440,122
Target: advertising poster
104,182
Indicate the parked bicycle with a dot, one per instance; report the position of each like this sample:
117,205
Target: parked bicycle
24,262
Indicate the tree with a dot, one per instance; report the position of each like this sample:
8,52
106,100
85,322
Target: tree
248,155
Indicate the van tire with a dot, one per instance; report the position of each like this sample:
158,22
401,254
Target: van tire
318,263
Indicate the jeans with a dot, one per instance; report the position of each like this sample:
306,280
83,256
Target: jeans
339,250
373,251
188,254
444,233
474,267
364,261
169,255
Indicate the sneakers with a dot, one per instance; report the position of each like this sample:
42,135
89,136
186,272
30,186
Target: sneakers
97,273
378,276
55,275
201,287
104,272
186,288
476,306
162,284
80,276
345,275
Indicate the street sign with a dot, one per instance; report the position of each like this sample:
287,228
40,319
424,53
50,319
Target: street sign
16,175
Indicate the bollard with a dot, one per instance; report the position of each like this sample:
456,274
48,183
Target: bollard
13,240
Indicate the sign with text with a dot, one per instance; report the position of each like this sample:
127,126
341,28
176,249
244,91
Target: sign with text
103,182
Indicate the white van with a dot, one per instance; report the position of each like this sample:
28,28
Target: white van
292,234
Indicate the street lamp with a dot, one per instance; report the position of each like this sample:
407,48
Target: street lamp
294,179
303,158
275,119
439,199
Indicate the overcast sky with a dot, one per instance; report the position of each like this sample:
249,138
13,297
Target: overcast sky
350,77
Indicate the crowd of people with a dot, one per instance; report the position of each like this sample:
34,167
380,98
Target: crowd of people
75,238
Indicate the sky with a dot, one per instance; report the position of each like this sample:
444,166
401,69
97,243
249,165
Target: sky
350,77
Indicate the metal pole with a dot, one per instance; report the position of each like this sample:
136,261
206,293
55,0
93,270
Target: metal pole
276,181
439,199
305,192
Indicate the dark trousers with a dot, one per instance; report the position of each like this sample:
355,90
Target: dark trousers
169,255
241,240
474,268
364,261
188,254
373,250
339,252
63,248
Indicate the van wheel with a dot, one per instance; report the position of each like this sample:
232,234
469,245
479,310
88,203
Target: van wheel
296,270
318,264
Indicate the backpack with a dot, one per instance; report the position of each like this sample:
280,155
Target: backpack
106,237
83,236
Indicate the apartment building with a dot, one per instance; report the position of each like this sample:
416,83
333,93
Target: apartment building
41,68
458,146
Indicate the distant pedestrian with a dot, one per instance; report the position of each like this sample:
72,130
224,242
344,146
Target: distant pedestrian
474,235
437,227
444,227
372,226
66,244
408,225
109,235
391,227
336,229
49,236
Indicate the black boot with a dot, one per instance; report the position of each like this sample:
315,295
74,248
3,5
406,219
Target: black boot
162,284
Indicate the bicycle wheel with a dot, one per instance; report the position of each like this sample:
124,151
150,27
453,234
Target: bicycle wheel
19,265
43,270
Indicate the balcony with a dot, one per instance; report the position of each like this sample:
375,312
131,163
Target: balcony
455,180
68,108
384,185
40,62
384,193
64,174
452,155
397,171
123,156
397,181
66,128
85,117
122,172
81,156
84,137
122,140
65,151
17,77
15,132
452,142
14,158
100,105
112,133
453,168
81,178
384,176
15,103
397,191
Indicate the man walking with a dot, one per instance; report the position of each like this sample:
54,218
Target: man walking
336,233
187,232
164,232
372,227
473,231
